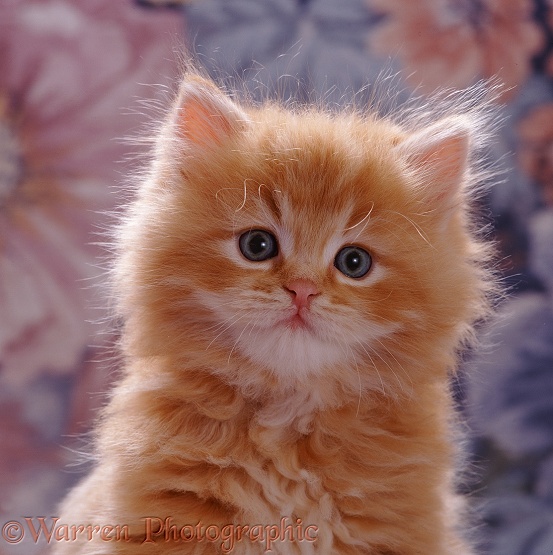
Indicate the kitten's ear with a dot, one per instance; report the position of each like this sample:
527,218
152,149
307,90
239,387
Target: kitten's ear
439,155
205,116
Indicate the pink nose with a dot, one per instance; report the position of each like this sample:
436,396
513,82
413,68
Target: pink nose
302,291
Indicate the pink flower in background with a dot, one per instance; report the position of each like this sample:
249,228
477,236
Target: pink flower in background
71,74
68,69
535,152
453,43
549,19
21,439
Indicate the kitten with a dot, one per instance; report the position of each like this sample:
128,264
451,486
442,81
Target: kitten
295,286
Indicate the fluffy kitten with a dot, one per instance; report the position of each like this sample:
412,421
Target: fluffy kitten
295,286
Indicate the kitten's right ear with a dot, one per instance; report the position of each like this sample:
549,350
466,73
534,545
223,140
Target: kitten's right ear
205,116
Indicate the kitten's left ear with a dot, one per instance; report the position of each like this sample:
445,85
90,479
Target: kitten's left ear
205,116
439,155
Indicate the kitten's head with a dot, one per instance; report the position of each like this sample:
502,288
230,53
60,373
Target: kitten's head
291,246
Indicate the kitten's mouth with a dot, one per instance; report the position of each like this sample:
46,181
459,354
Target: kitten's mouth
297,322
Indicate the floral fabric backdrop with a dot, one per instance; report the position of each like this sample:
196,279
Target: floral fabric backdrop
72,76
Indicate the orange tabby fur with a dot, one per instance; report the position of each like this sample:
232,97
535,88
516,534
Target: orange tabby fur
225,414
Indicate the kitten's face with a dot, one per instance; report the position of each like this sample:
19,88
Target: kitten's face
299,244
301,266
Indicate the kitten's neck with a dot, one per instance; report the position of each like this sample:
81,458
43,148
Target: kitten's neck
292,410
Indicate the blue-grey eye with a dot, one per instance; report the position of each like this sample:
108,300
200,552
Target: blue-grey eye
353,262
258,245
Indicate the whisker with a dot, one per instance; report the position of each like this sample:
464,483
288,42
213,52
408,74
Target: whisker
225,329
245,195
238,340
384,361
415,225
220,324
349,355
374,366
360,386
366,220
396,361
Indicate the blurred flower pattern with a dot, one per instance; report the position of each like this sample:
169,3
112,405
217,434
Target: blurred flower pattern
450,42
71,72
535,151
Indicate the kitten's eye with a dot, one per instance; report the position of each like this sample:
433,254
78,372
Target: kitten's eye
258,245
354,262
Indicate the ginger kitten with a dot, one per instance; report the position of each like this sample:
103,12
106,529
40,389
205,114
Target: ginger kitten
295,286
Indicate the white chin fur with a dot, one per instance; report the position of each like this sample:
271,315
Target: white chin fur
291,353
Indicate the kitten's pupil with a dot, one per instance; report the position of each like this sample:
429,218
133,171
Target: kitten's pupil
258,245
353,262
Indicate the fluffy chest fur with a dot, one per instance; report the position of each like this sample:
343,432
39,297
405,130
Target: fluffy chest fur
368,476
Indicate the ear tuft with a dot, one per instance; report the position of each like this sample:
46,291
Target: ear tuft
439,155
205,116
